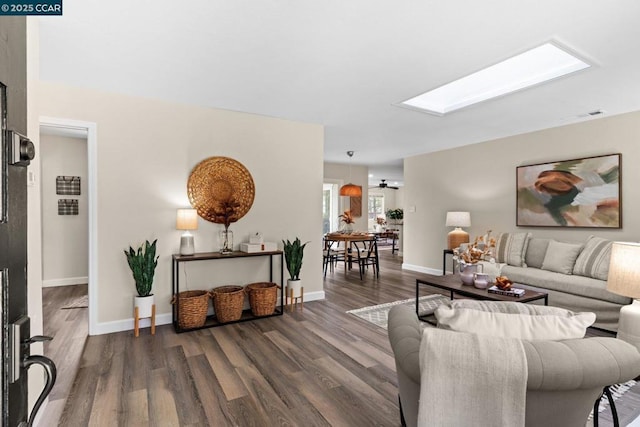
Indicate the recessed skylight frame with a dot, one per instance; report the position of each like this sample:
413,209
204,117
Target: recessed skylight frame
536,66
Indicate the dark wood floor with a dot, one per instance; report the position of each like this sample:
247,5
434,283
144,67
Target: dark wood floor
317,367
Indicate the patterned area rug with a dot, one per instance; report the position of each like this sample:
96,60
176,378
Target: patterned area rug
377,314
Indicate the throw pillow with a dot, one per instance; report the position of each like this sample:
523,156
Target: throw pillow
561,257
511,247
513,320
536,249
593,261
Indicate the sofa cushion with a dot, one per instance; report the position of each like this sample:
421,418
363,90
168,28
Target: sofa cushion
511,247
561,257
570,284
536,250
593,261
513,320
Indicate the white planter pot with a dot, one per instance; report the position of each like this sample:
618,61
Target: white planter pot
144,305
294,285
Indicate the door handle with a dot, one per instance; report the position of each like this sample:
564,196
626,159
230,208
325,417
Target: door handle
51,374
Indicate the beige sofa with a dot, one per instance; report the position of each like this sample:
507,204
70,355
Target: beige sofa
574,274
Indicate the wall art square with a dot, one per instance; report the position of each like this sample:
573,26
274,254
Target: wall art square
67,207
570,193
68,185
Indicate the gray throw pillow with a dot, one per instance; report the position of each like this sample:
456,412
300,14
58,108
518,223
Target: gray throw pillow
561,257
593,261
510,248
536,250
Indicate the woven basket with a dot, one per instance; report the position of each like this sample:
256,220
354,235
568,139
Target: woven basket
228,302
192,308
262,297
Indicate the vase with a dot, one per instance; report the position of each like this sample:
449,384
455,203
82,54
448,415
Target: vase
467,271
144,305
225,240
347,228
294,287
480,280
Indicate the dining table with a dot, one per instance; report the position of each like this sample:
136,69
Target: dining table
348,239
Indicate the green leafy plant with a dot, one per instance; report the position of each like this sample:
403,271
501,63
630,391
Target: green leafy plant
143,264
395,214
293,253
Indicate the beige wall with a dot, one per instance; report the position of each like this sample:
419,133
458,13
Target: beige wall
64,237
146,150
358,175
481,179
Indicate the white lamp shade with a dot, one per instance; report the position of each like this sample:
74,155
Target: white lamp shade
624,269
187,219
458,219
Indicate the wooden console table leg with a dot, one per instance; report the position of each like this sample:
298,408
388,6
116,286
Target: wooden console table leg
153,319
136,322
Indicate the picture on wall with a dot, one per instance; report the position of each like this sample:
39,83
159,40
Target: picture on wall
570,193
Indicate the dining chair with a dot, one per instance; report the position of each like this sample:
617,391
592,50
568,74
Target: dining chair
330,255
367,255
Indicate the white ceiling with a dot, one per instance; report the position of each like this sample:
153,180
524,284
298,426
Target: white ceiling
344,64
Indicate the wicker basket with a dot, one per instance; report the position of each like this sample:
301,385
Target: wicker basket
262,297
192,308
228,302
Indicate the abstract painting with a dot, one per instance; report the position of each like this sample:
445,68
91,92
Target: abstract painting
570,193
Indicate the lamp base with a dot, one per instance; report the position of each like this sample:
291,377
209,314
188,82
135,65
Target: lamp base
187,246
629,324
456,237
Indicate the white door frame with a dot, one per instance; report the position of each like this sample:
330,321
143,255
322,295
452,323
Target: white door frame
92,185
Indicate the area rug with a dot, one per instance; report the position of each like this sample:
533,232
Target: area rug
79,302
378,314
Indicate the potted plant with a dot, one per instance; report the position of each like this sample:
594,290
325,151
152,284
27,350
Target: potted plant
143,262
396,215
347,219
293,253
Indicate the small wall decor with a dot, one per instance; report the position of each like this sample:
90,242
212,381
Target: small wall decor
67,207
570,193
355,204
68,185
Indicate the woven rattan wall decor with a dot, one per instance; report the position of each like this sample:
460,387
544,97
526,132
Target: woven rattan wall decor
221,189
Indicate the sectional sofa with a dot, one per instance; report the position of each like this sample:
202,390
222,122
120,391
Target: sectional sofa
574,274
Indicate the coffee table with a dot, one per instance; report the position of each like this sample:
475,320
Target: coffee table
453,284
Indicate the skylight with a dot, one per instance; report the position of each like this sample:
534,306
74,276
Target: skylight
530,68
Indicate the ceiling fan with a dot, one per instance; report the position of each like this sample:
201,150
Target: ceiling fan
383,184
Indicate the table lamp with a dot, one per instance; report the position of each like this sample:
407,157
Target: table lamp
187,219
458,235
624,279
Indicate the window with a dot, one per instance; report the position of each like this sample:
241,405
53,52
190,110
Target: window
330,207
376,206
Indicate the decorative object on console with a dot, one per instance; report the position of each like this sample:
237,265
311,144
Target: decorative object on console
187,219
222,191
457,236
350,190
142,263
293,254
347,219
570,193
624,279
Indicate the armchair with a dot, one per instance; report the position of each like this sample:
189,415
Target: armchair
564,377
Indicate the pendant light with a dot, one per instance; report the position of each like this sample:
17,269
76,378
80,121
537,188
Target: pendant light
350,190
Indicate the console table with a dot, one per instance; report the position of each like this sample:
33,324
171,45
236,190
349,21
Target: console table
214,256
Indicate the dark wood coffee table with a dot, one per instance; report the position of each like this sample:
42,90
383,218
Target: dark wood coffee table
453,284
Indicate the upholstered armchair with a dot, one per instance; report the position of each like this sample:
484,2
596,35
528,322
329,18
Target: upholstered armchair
564,377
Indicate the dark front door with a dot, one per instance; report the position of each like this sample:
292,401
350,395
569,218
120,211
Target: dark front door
15,154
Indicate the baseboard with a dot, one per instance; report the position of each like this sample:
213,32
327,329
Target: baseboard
421,269
65,282
166,318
